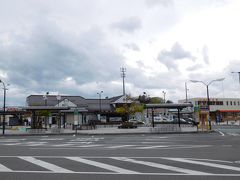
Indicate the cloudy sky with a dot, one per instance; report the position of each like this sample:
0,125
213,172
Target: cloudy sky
77,47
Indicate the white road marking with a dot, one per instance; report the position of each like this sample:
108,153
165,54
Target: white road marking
120,146
157,142
60,145
51,139
88,146
45,165
151,147
4,168
222,134
12,140
233,134
162,166
205,164
12,144
35,144
81,142
103,165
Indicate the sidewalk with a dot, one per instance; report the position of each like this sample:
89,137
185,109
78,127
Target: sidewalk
110,131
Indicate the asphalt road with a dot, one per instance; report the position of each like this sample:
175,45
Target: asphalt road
167,156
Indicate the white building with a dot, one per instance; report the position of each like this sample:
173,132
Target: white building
221,109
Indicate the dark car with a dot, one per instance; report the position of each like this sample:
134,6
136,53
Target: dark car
127,125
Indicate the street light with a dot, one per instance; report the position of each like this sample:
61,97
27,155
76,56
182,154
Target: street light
208,100
164,94
45,98
4,105
58,98
59,114
100,103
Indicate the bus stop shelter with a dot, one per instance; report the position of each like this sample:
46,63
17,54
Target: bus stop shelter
179,108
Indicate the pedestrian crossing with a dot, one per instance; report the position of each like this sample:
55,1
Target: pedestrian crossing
119,165
88,143
45,145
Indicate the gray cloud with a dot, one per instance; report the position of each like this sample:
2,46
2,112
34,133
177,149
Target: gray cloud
132,46
129,25
42,59
165,3
194,67
168,58
205,54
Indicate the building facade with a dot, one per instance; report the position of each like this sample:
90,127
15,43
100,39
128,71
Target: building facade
224,110
81,110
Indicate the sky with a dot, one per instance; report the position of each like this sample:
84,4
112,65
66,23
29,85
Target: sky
77,47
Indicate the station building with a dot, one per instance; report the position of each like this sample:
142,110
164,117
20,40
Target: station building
80,109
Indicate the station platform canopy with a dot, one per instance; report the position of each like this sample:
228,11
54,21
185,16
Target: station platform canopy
169,105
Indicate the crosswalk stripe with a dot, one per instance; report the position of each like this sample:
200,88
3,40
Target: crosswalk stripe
205,164
44,164
4,168
103,165
162,166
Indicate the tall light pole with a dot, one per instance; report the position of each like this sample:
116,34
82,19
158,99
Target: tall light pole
59,114
146,99
123,75
45,98
4,105
208,100
58,98
164,94
186,89
100,103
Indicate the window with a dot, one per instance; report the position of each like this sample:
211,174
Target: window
219,103
227,103
234,103
231,103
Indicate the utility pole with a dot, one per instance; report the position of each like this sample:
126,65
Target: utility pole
186,89
123,75
238,76
4,106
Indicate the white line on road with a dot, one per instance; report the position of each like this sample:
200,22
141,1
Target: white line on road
103,165
120,146
45,165
205,163
162,166
51,139
88,146
151,147
222,134
4,168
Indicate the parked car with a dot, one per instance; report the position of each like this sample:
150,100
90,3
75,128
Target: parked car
135,121
127,125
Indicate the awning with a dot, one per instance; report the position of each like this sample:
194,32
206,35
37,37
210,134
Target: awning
227,110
